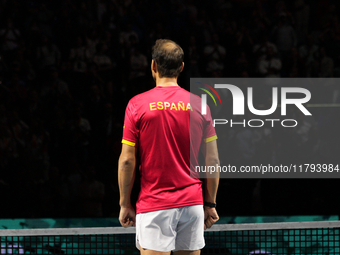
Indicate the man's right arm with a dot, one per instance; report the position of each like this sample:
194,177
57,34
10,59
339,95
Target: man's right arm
126,178
211,183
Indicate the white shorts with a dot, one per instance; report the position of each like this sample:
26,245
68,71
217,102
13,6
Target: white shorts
171,230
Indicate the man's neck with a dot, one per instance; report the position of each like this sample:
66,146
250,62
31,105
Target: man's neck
166,82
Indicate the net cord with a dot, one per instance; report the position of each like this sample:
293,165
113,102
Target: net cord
132,230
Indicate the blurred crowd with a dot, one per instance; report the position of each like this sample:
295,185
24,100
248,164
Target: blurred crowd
69,67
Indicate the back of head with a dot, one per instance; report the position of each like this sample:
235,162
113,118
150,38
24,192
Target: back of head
168,56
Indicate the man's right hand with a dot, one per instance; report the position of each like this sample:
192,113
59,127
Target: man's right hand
210,217
127,216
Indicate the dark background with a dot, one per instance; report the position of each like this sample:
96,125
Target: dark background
68,69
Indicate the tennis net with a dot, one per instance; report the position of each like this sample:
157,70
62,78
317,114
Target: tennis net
319,237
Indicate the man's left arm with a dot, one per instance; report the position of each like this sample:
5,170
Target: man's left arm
126,178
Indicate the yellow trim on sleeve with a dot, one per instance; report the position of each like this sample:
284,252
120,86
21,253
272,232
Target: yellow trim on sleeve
211,138
128,143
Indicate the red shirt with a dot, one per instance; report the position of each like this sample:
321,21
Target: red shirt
157,122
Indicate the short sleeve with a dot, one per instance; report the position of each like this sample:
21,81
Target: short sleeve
130,129
209,133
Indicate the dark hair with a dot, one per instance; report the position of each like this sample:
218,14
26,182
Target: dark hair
168,56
